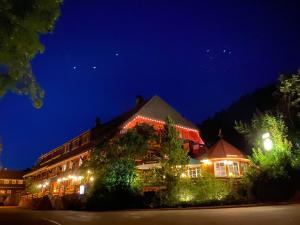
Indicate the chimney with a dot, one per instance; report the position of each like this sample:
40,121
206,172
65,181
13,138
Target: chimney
98,122
139,100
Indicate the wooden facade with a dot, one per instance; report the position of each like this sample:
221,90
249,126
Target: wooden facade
11,186
57,171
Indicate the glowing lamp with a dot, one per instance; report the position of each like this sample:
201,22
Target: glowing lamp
81,189
267,142
206,161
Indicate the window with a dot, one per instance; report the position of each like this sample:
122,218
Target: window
64,167
71,165
80,161
8,192
233,169
194,172
243,167
75,144
220,169
20,181
6,181
85,139
2,192
13,181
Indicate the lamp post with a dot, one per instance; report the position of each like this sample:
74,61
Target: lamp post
267,141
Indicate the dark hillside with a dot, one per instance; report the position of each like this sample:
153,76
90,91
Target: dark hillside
243,109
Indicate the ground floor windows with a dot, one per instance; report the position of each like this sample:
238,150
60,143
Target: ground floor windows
220,169
233,169
194,172
243,167
228,168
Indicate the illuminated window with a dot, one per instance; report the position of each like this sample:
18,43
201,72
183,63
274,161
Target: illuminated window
70,165
80,161
20,181
2,192
194,172
6,181
233,169
14,181
244,167
220,169
8,192
64,167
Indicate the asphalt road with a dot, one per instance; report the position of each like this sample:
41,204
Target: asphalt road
274,215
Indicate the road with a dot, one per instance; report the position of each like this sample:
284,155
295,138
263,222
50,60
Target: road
274,215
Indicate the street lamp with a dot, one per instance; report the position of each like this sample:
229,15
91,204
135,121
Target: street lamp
268,143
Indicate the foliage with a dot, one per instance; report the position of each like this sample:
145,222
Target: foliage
273,172
31,186
202,190
262,99
174,158
183,190
21,24
115,172
288,92
281,151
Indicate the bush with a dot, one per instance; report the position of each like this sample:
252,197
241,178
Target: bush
200,191
271,184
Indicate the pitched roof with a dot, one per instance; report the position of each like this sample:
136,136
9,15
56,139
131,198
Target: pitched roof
223,149
158,109
11,174
154,108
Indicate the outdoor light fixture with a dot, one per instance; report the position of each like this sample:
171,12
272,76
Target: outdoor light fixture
81,189
206,161
92,179
268,143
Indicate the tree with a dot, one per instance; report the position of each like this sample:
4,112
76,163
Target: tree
21,24
275,126
174,157
173,164
114,166
288,93
274,174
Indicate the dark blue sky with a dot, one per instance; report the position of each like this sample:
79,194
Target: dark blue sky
198,56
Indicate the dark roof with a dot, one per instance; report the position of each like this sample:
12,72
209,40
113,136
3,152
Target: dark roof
154,108
11,174
223,149
158,109
65,156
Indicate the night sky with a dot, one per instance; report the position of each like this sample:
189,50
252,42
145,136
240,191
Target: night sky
198,56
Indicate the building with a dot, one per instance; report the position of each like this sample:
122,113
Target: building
11,186
57,171
224,160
